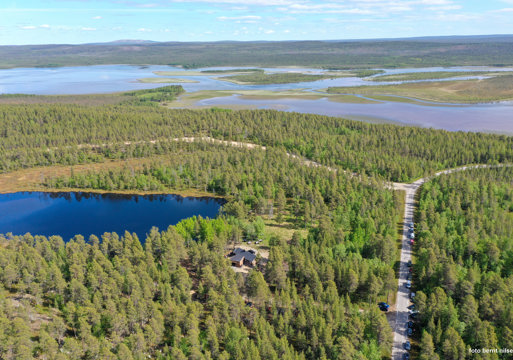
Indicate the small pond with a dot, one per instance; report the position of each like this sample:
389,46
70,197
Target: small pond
70,213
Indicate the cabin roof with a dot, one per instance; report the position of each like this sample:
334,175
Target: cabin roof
242,254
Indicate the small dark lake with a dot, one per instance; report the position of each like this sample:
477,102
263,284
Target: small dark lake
67,214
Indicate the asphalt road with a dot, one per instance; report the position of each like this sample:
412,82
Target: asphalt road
400,318
402,298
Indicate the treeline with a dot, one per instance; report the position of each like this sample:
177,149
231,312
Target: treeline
464,264
277,78
175,297
253,181
156,96
35,135
445,51
231,71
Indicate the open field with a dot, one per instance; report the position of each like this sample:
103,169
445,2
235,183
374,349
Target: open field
457,91
231,71
436,75
92,99
166,80
32,179
189,100
180,73
278,78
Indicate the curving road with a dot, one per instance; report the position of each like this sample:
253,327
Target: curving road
400,318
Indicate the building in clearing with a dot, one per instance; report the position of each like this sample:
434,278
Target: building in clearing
241,257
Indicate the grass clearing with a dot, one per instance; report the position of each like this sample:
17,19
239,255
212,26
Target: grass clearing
275,78
207,72
434,75
166,80
458,91
31,179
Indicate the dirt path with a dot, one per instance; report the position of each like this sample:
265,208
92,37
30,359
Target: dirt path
398,319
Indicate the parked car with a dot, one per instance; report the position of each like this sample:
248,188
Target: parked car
407,346
408,284
410,230
409,331
410,225
412,296
409,263
412,241
406,356
411,235
383,306
409,324
411,307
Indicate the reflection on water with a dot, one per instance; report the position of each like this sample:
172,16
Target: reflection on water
112,78
70,213
481,117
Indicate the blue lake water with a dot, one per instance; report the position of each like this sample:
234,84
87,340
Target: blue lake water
496,117
113,78
68,214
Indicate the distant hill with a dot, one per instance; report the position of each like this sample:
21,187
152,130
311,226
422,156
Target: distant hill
124,42
494,50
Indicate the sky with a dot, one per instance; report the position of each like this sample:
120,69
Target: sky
86,21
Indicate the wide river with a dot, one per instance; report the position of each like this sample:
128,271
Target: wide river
68,214
497,117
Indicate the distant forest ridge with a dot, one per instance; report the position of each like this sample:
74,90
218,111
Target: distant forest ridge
486,50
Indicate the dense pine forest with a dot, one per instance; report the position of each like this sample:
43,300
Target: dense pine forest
174,294
394,53
464,266
47,134
175,297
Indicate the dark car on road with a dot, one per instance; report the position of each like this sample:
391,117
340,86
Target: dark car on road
407,345
383,306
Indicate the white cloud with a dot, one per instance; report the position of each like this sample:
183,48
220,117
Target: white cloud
28,27
327,8
246,2
88,29
435,2
457,17
97,18
504,10
239,18
269,31
44,26
445,7
144,30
